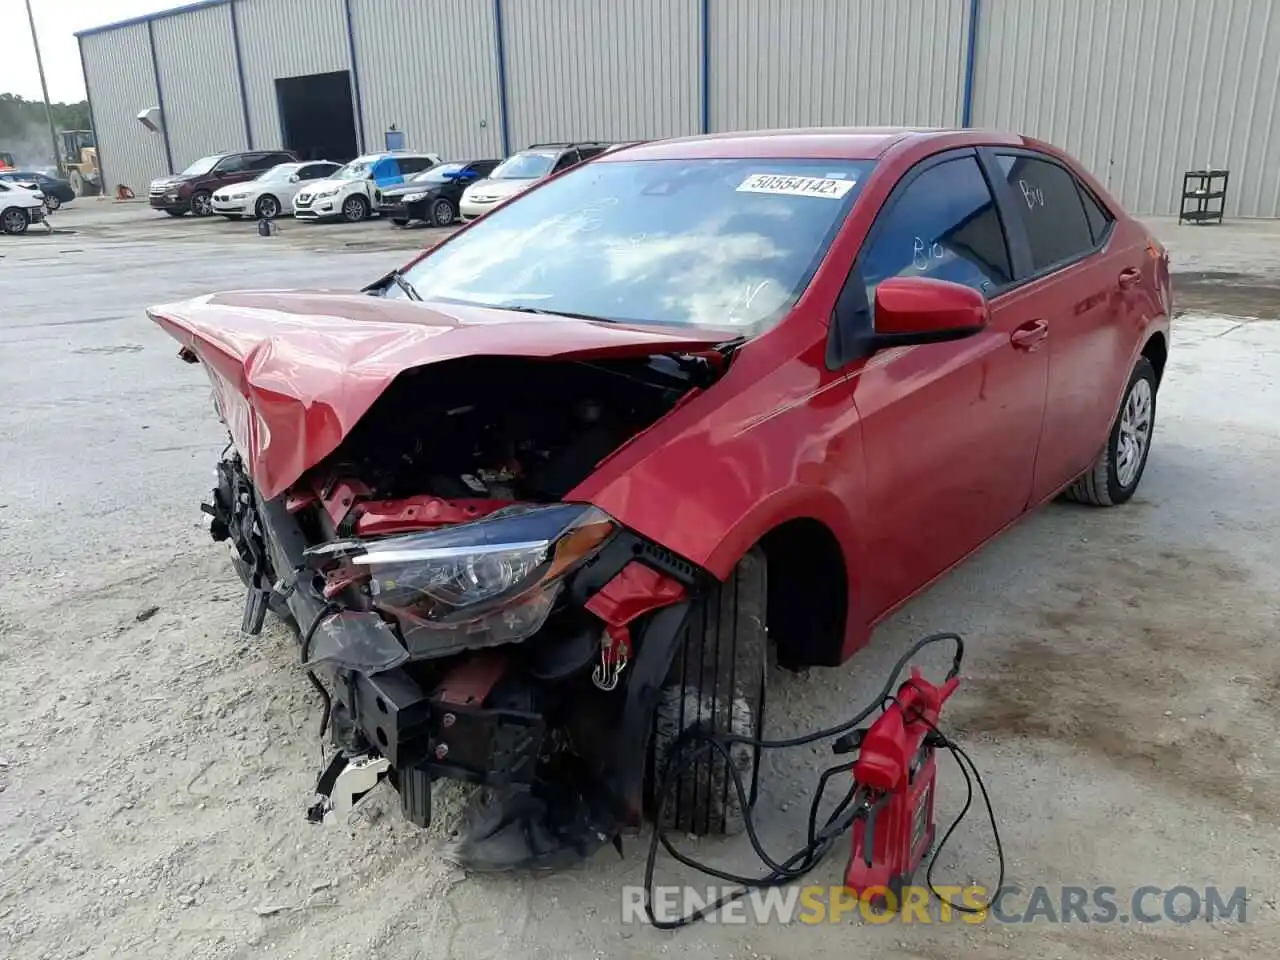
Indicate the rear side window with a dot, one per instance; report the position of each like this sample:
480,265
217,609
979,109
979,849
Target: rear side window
1099,220
1048,203
260,161
943,225
409,165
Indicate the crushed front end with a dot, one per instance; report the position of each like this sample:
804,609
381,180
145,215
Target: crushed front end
459,619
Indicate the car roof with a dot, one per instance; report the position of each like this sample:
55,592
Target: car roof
847,143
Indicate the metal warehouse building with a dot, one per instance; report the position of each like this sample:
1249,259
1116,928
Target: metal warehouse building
1139,90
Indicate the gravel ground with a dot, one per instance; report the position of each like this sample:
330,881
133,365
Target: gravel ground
1121,697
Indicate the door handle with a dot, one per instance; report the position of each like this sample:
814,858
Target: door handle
1129,276
1030,335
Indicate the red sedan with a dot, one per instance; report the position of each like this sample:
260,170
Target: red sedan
541,500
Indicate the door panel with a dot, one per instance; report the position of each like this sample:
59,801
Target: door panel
1080,295
950,430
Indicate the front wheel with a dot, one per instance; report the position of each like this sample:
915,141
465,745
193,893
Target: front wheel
14,221
1115,475
355,209
716,683
201,203
267,208
443,213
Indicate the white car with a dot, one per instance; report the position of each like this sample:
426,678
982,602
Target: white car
271,194
349,193
19,207
522,170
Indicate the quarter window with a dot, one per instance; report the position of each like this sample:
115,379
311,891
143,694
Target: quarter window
1048,204
944,225
1099,219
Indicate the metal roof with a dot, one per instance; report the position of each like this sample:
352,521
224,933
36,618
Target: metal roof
148,17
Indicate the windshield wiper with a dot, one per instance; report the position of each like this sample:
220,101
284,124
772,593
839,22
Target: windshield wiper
554,313
398,278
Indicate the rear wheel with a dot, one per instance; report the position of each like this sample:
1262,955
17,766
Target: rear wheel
14,220
76,179
716,683
51,202
1115,475
355,209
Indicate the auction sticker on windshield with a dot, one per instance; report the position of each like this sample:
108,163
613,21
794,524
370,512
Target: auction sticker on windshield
826,187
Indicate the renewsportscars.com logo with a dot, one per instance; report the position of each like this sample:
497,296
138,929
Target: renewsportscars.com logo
1012,904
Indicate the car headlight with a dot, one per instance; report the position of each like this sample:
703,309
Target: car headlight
475,584
327,192
414,197
238,196
171,195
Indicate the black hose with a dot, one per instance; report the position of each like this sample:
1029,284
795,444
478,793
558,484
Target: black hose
694,742
325,698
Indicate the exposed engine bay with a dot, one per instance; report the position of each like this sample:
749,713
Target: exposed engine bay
507,429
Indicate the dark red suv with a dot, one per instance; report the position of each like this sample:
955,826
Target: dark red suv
190,191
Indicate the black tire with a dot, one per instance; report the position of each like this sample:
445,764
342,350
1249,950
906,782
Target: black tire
201,203
267,207
717,680
14,221
176,213
1111,480
355,208
443,212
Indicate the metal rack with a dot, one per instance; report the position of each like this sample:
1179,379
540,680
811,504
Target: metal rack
1207,200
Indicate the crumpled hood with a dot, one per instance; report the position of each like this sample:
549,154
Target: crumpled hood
169,181
313,187
293,371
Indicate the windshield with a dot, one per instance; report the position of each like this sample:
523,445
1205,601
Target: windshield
524,166
716,243
355,170
438,174
200,167
279,173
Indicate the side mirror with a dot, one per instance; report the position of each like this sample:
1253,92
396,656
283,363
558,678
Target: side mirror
295,179
908,311
912,310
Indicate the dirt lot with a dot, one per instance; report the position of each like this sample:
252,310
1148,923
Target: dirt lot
1122,700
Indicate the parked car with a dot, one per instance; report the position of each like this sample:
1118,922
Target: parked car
432,196
191,191
521,171
56,190
349,193
19,207
271,193
541,500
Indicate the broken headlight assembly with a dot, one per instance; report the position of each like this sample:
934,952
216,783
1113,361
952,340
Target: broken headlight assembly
471,585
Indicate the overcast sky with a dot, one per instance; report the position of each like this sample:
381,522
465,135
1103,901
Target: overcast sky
56,22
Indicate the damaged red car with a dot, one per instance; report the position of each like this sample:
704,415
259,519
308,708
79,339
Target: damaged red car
559,489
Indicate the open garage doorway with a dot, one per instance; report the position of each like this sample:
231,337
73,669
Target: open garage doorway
317,121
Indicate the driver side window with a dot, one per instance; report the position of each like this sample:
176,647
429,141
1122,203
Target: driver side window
944,225
230,165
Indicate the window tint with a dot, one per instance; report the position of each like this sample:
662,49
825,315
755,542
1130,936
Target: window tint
231,164
1048,203
566,161
410,165
260,161
484,167
315,171
1099,219
945,226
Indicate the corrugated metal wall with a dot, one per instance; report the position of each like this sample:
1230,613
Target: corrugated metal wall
586,69
1141,91
122,83
782,63
195,54
286,38
431,68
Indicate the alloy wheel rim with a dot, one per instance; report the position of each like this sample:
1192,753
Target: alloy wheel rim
269,208
13,219
442,213
202,205
1135,433
353,208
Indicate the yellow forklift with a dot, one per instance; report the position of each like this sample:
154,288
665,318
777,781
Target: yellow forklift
79,159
